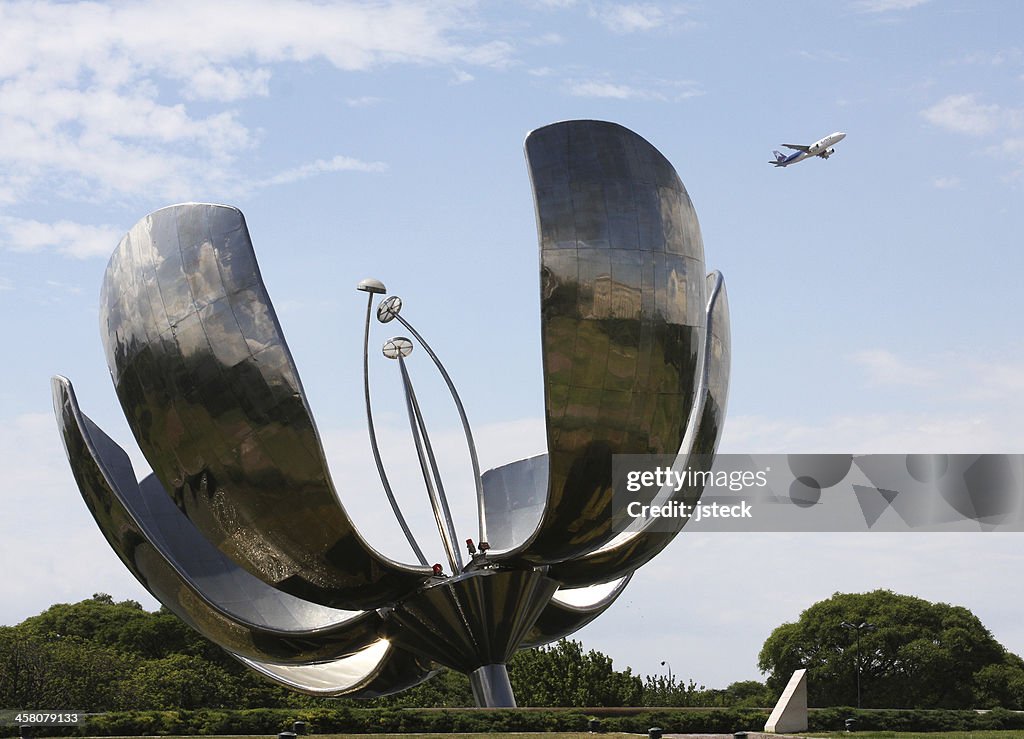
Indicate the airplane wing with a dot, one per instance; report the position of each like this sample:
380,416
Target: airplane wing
798,147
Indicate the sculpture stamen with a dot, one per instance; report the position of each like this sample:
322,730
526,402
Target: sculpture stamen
376,287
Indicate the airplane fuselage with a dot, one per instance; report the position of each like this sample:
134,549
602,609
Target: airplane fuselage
820,148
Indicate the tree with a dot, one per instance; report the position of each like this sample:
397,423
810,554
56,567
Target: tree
670,691
1001,685
181,681
916,654
450,689
62,671
561,674
100,655
748,694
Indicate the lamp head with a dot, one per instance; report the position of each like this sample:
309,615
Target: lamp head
389,308
397,348
370,285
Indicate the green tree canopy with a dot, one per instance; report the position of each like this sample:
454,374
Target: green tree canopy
562,674
101,655
912,654
125,626
66,671
182,681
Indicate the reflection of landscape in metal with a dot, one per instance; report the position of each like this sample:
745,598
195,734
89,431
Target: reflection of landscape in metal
239,530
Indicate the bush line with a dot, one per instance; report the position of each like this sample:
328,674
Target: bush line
267,721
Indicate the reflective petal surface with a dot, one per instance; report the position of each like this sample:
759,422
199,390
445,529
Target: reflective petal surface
474,619
380,669
211,393
182,570
622,318
627,552
572,609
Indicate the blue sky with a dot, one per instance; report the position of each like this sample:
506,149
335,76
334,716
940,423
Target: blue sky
874,296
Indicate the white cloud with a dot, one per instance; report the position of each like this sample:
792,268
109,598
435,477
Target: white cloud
983,432
364,101
946,183
93,95
228,84
639,17
886,6
822,56
962,377
461,77
190,37
1000,382
497,54
549,39
885,368
338,163
593,89
964,114
6,284
658,90
1009,149
982,400
82,241
1012,146
76,240
993,58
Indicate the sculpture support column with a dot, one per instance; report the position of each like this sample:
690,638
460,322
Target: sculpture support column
491,687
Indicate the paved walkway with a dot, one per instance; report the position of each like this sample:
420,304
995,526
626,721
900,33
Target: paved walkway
750,735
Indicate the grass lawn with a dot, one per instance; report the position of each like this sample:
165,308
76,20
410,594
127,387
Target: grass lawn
1010,734
1014,734
498,735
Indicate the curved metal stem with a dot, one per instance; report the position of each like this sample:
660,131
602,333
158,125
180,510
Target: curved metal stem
373,441
428,466
477,480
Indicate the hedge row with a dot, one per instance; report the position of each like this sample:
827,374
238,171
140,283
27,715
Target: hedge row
832,719
378,720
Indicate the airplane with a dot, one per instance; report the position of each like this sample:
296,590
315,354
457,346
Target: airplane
820,148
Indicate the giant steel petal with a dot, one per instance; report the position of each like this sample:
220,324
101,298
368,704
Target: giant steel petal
185,572
622,319
379,669
571,609
627,552
213,397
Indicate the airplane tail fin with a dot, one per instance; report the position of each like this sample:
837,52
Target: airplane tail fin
779,158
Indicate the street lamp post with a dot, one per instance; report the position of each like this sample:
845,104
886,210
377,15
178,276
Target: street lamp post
664,663
857,628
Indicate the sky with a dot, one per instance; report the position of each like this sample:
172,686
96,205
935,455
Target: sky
874,297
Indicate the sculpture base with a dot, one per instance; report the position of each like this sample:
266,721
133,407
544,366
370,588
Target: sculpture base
491,687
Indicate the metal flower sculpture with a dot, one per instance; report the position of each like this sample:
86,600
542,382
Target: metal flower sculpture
239,529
